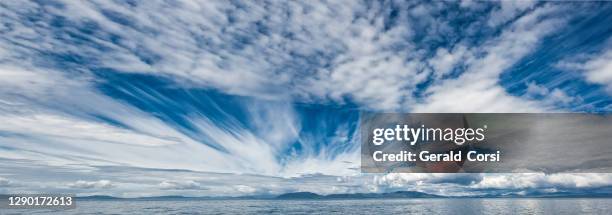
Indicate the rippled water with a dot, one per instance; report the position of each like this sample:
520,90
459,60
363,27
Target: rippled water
386,206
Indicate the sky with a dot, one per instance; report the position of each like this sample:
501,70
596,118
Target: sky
232,98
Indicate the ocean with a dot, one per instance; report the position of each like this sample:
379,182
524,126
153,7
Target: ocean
370,206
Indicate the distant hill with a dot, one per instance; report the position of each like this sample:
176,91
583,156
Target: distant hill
391,195
102,197
97,197
300,195
398,194
162,198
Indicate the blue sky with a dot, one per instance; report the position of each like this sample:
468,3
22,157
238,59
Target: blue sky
131,98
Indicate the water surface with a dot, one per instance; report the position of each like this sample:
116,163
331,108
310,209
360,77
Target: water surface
372,206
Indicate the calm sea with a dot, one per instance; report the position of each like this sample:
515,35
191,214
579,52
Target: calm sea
385,206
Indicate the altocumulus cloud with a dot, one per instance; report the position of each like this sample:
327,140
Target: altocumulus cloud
263,97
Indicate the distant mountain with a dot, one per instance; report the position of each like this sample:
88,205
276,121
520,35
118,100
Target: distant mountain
155,198
102,197
393,195
97,197
300,195
172,198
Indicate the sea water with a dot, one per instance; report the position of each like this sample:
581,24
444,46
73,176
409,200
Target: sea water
369,206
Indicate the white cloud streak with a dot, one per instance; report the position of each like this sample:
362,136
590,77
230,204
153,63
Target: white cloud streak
599,70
